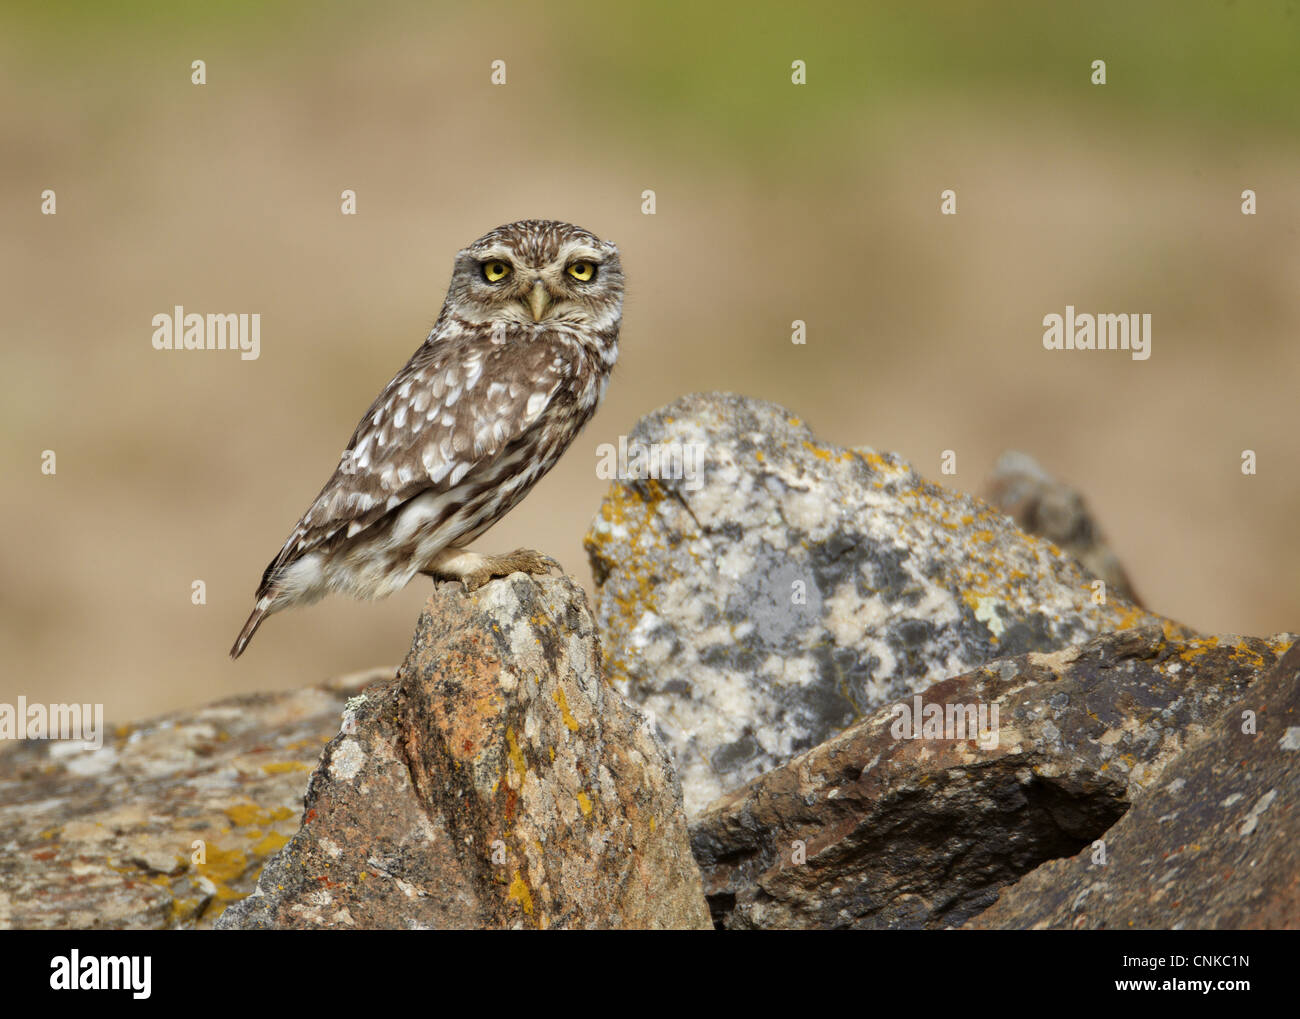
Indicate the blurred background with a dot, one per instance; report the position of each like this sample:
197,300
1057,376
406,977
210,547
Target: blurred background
775,202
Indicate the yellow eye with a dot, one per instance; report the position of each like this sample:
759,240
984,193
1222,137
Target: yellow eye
495,272
583,272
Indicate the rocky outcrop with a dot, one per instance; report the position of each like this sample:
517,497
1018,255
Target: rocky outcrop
767,588
169,821
1044,506
886,825
1215,844
497,782
892,707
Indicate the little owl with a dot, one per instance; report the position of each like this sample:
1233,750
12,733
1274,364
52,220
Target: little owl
512,370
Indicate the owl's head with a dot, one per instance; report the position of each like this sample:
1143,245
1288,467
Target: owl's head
539,271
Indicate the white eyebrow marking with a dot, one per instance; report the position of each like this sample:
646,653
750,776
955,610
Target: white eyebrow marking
495,253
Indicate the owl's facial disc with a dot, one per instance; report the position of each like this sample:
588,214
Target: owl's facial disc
524,292
539,274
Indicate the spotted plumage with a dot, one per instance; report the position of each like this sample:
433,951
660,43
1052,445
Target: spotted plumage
512,370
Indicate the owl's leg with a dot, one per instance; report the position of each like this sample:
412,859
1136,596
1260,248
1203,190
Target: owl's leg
474,570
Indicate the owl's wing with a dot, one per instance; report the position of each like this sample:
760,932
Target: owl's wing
453,410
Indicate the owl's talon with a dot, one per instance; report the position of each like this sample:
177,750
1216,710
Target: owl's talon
526,560
473,581
485,568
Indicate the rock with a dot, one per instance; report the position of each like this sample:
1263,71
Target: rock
497,782
790,587
1214,845
870,831
1044,506
104,838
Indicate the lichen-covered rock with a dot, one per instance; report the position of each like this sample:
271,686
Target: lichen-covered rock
169,821
790,587
498,782
1215,845
1044,506
870,830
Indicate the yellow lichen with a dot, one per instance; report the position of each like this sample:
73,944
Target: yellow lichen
1129,616
1196,648
273,843
516,755
519,893
570,722
221,867
243,815
283,767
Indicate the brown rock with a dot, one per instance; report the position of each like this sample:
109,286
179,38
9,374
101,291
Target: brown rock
1215,845
105,838
924,832
498,782
1044,506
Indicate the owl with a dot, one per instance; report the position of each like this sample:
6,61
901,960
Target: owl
512,370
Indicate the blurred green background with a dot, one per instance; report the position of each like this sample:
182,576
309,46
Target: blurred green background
775,202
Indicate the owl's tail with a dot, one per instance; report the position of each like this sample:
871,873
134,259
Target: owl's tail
260,611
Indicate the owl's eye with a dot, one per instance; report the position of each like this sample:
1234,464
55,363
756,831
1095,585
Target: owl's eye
583,272
495,271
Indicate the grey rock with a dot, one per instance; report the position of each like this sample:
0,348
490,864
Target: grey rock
792,587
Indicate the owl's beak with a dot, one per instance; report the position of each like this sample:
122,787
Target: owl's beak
539,300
